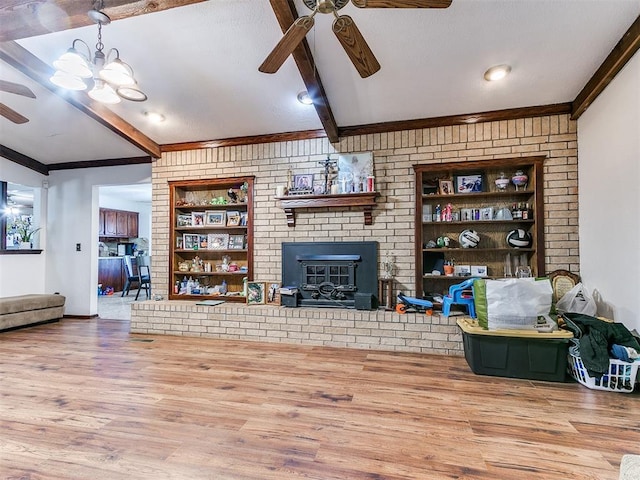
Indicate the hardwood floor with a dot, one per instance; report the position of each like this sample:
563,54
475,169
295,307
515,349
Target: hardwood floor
84,399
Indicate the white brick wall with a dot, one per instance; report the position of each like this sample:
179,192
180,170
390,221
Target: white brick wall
394,155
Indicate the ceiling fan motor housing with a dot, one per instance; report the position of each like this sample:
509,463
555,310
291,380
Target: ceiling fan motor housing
325,6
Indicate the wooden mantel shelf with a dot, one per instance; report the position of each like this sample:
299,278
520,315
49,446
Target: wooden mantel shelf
366,201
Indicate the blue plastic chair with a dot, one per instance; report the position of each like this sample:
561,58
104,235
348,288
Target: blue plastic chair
455,297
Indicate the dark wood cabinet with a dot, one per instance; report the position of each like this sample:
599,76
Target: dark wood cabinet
110,223
122,224
132,225
101,223
117,223
111,273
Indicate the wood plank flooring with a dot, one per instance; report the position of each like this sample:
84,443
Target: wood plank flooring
84,399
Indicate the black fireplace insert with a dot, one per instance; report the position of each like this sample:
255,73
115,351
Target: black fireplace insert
331,274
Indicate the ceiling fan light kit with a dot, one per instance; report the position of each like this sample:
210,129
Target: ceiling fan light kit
113,79
344,28
68,81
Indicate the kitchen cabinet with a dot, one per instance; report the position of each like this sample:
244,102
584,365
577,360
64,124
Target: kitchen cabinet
211,242
111,273
458,196
117,223
110,229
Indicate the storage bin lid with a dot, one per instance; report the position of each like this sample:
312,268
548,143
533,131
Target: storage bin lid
471,326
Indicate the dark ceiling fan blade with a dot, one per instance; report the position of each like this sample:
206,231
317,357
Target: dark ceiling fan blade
402,3
16,88
11,114
287,44
355,45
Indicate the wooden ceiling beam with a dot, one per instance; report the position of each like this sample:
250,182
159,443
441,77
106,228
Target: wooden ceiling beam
29,18
615,61
286,14
36,69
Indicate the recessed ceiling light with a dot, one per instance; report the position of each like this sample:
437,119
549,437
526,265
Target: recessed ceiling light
304,98
154,117
497,73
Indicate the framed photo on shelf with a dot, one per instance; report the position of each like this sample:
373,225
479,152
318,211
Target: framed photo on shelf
273,293
218,241
303,182
215,218
236,242
479,271
190,241
233,218
183,220
255,293
469,183
203,241
244,216
197,219
179,242
445,187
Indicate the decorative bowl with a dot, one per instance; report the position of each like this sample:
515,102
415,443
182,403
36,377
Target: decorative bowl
519,179
502,183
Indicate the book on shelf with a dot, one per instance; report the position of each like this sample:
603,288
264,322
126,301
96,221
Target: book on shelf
288,290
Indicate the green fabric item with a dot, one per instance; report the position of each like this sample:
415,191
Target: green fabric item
480,301
596,338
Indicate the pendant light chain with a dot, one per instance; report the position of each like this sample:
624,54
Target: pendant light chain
99,45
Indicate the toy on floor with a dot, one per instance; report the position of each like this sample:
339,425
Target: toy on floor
411,304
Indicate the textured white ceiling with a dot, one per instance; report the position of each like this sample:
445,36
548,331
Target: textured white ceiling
198,64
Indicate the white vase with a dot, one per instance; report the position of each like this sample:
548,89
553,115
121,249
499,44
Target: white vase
25,245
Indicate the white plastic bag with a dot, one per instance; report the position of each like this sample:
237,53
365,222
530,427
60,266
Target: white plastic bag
516,303
577,300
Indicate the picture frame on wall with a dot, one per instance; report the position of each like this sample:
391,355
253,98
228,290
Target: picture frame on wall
445,187
256,293
469,183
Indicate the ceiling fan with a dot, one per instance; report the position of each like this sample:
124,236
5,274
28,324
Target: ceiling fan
8,112
344,28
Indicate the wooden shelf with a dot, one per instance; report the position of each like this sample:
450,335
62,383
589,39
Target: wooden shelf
188,196
366,201
479,195
493,250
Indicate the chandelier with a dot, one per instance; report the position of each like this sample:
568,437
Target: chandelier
111,79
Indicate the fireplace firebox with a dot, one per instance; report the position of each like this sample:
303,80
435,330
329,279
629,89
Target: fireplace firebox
331,274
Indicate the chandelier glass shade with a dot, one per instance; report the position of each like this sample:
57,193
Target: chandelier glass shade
109,77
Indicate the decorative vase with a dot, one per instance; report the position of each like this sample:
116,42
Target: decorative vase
520,179
502,182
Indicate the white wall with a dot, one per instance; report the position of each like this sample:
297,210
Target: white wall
69,212
25,273
609,179
73,219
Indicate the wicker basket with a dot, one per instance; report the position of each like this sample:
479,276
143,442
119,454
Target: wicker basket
622,376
